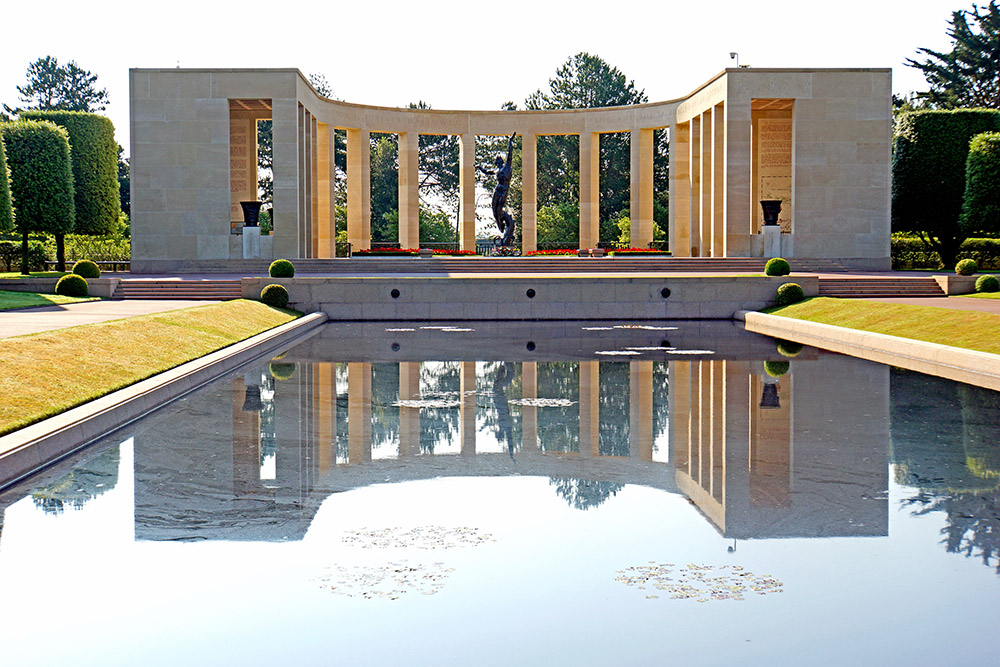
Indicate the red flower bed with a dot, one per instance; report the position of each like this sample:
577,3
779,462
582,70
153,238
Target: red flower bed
456,253
550,253
387,252
639,251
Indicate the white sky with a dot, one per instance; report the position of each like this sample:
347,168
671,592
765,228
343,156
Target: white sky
465,55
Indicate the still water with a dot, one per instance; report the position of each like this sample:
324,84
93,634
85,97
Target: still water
522,493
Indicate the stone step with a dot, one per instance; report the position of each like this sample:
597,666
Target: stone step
214,290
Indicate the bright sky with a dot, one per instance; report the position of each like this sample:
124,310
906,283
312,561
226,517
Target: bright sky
464,55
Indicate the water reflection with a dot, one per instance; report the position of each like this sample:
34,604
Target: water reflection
765,442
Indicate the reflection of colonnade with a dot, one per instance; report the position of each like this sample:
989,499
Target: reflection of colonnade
765,456
744,135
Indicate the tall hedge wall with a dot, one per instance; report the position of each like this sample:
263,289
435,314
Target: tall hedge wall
928,172
6,212
981,209
95,168
41,178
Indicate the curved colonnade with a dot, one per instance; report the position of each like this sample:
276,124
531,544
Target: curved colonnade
818,139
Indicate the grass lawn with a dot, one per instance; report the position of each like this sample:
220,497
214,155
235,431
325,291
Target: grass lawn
981,295
10,300
958,328
34,274
47,373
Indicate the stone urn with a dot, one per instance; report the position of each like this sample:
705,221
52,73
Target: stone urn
251,212
771,208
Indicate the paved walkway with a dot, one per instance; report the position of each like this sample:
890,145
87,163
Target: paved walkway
47,318
949,302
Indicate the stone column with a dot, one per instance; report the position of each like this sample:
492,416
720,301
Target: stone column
246,443
529,192
641,185
529,413
590,395
719,243
303,145
359,189
409,418
467,411
694,164
679,427
314,187
467,191
326,229
409,190
590,190
359,412
285,166
640,410
680,190
705,199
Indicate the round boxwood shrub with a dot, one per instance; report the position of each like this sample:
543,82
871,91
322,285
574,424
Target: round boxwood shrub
776,368
987,284
87,269
788,294
72,285
275,296
966,267
280,371
281,268
787,348
776,266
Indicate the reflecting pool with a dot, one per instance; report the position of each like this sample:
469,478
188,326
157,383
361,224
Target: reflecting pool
522,493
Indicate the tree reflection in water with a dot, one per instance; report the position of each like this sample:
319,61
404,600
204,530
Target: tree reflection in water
957,472
582,494
81,485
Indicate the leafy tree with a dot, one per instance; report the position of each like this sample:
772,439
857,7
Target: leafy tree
587,81
969,74
385,188
41,179
558,225
6,210
124,182
51,86
928,174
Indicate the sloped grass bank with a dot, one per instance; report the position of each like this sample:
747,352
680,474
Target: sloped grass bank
47,373
959,328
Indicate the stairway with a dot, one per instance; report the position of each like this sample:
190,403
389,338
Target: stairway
867,288
194,290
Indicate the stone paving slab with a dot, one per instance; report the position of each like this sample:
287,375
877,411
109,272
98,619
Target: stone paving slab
48,318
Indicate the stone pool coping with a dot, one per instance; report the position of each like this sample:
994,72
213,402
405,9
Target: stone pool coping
970,366
28,450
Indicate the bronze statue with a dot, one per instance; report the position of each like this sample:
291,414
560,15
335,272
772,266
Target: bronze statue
504,170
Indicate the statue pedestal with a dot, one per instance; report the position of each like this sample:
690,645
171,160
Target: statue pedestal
251,242
772,240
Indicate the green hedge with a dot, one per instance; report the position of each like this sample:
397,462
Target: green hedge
912,253
94,154
928,172
10,255
6,211
981,207
41,176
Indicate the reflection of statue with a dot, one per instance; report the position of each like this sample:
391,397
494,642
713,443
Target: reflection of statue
505,425
505,223
582,494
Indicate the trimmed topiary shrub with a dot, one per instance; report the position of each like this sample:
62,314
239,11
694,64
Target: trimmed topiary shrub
930,149
72,285
281,268
6,210
776,266
776,368
275,296
787,348
41,178
87,269
987,284
282,371
981,206
94,155
788,294
966,267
